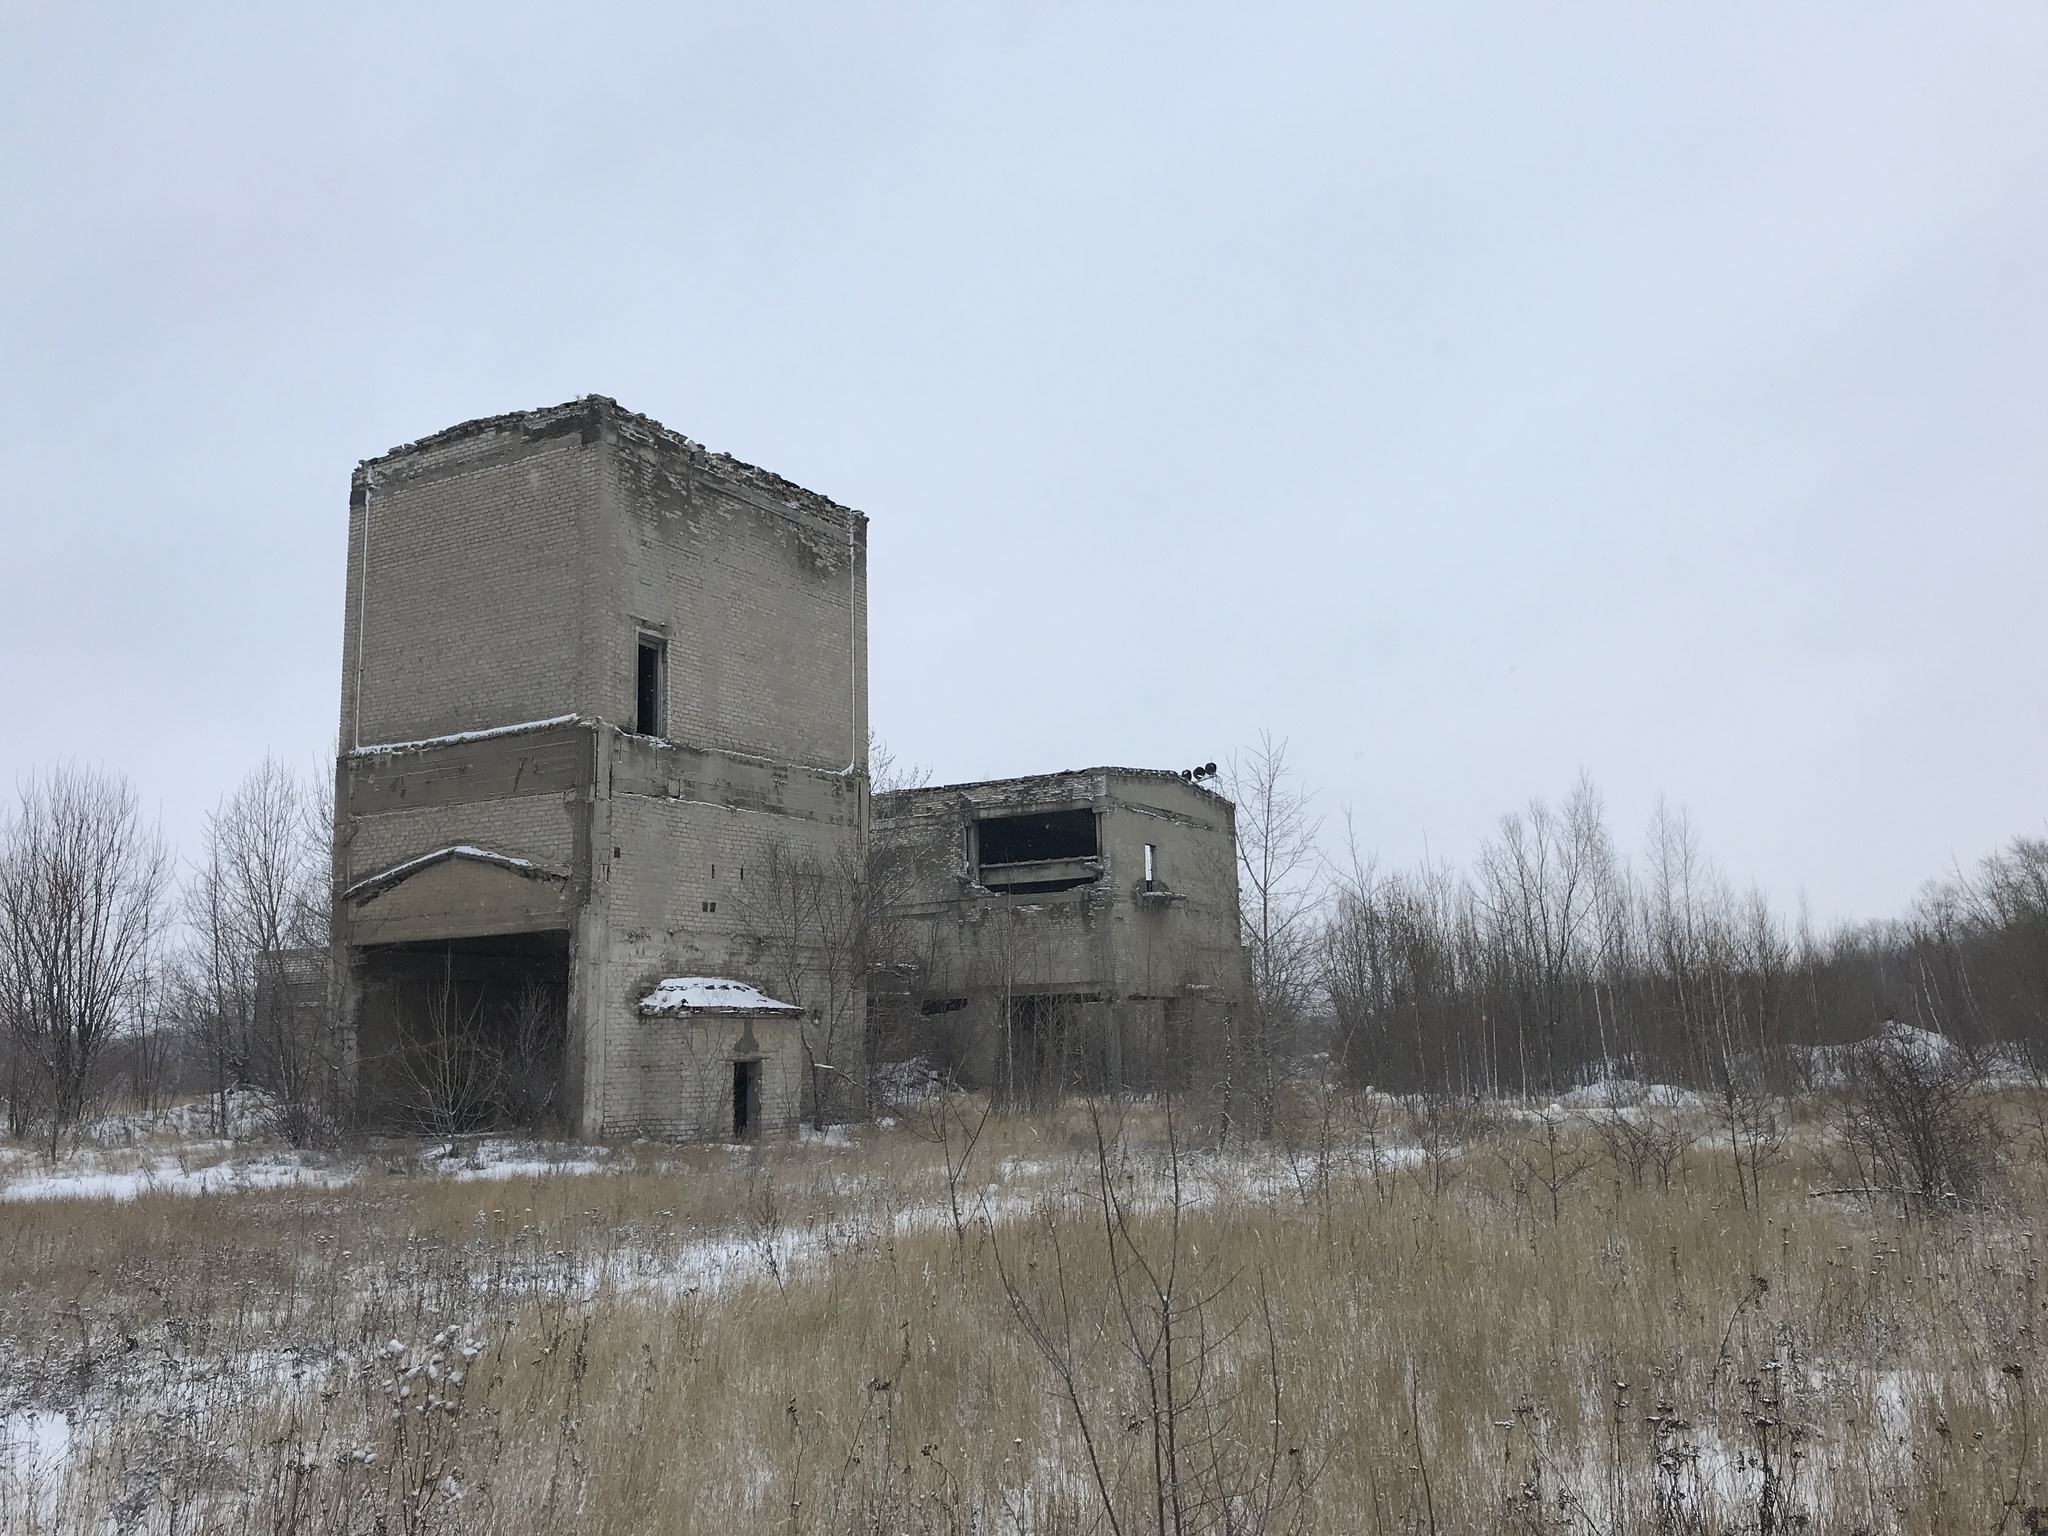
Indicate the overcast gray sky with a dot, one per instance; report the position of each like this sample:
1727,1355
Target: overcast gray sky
1470,394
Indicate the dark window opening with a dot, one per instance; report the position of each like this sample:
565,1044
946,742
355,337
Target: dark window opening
1037,855
746,1097
1037,839
648,686
937,1005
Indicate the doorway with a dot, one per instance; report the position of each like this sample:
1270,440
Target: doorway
746,1098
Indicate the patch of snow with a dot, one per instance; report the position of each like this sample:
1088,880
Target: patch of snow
915,1081
35,1444
251,1113
678,995
1831,1066
166,1176
1628,1093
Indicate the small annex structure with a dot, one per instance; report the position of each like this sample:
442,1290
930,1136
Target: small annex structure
1069,930
594,676
720,1017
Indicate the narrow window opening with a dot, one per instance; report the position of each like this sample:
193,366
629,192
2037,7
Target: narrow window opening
1151,863
746,1096
648,685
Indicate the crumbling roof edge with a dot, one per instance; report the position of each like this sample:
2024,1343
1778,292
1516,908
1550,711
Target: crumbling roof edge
1157,775
594,407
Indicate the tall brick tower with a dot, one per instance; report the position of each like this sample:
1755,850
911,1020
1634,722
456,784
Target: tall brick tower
592,675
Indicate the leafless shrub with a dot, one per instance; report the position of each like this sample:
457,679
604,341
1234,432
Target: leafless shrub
1444,1126
1551,1157
529,1090
82,885
471,1062
448,1073
1641,1139
1914,1120
1214,1449
819,924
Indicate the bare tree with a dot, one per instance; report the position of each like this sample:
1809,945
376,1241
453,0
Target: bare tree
1173,1376
256,913
1280,883
1914,1119
817,923
1540,879
82,885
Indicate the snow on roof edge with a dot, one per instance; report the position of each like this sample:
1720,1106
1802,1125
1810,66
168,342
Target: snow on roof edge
675,996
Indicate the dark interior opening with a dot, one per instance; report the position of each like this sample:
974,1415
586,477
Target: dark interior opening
1038,838
464,1035
746,1094
647,689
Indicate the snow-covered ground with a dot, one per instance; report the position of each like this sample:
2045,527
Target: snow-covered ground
167,1163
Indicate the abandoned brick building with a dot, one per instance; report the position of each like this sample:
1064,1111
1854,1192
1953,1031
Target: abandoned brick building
594,679
1068,930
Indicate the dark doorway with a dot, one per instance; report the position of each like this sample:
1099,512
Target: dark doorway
746,1098
1029,1076
648,686
465,1035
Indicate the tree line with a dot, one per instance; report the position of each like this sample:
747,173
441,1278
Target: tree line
117,975
1555,961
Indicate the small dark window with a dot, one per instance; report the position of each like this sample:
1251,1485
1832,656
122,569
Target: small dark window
648,685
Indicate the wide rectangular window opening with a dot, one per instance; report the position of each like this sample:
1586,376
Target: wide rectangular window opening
649,686
1038,853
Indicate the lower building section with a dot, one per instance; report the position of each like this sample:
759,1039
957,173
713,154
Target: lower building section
1074,932
712,1078
1030,1049
509,908
464,1034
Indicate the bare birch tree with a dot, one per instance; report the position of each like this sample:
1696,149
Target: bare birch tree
82,890
256,913
1280,889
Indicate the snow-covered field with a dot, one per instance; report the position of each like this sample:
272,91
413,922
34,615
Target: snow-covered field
203,1333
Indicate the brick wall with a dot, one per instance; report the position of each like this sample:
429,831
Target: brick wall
673,1077
466,611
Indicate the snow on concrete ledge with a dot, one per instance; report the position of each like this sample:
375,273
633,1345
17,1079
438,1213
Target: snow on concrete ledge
398,872
462,736
677,997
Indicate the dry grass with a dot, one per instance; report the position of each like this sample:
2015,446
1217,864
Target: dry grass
797,1338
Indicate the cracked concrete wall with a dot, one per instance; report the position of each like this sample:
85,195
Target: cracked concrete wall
1150,972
